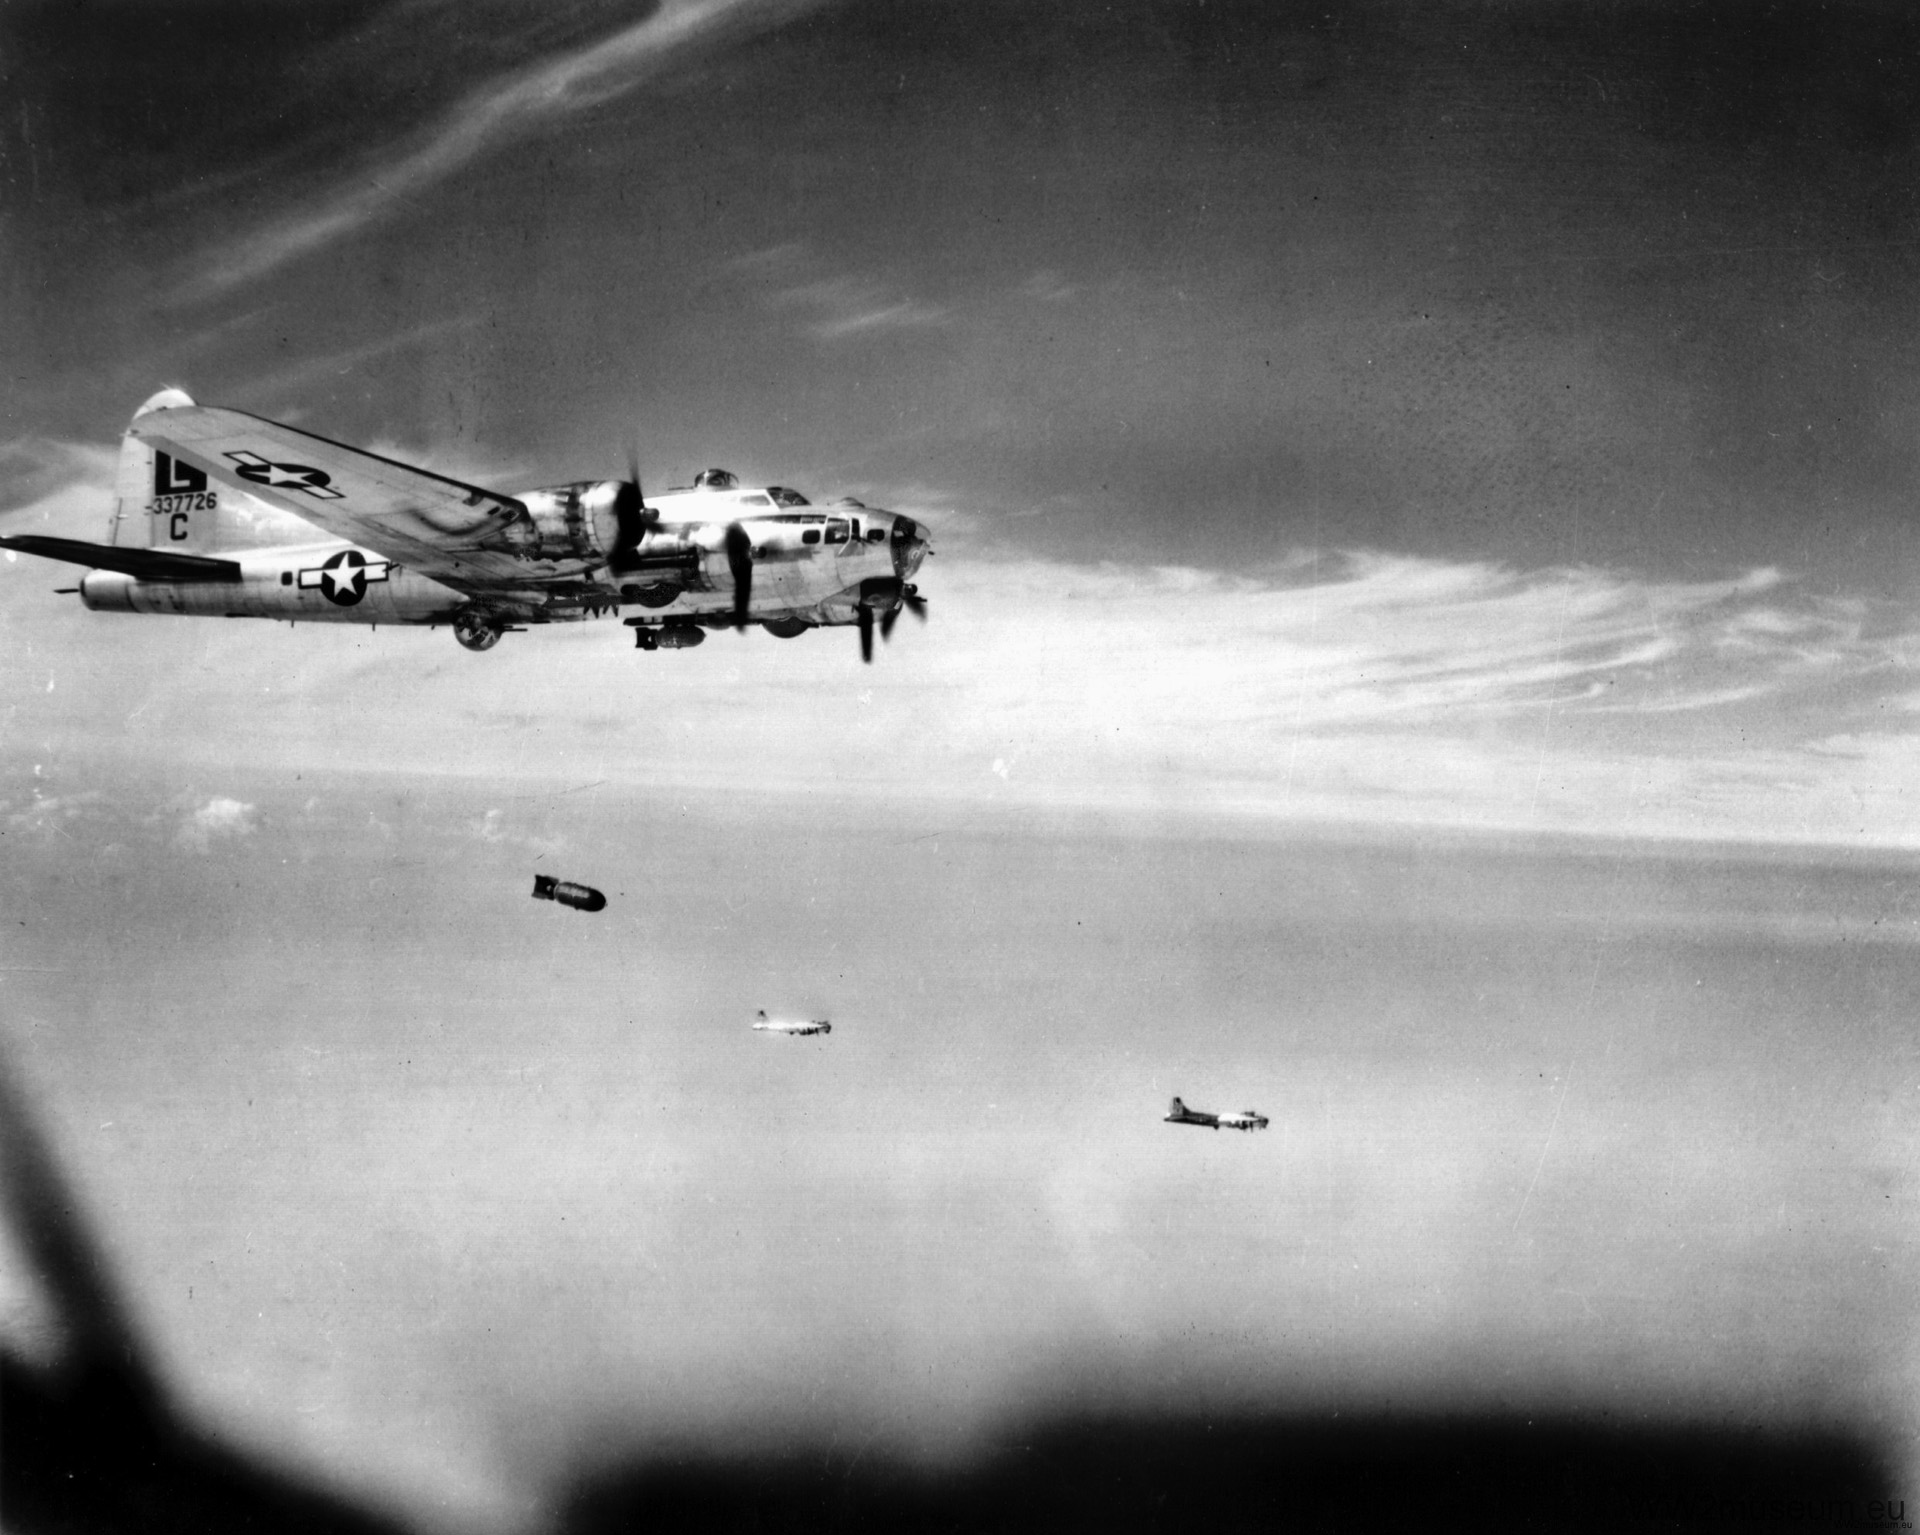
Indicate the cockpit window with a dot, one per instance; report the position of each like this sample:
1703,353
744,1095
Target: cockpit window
836,531
755,501
784,497
876,535
902,529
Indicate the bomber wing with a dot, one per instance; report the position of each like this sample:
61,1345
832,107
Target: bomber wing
456,533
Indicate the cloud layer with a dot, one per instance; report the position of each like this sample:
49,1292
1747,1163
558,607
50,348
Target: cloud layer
1354,686
216,819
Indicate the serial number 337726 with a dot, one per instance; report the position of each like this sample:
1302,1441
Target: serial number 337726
192,501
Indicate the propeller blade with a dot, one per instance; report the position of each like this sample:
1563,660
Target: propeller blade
629,516
916,603
629,512
740,564
866,634
888,620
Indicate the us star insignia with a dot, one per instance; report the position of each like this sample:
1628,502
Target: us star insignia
343,579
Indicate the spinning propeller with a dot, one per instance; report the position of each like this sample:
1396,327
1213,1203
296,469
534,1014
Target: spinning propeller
910,599
631,513
886,595
740,566
633,517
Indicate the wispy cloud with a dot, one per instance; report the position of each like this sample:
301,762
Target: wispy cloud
47,815
839,307
496,830
1386,688
1048,287
769,262
1368,640
301,375
832,307
218,819
901,315
516,105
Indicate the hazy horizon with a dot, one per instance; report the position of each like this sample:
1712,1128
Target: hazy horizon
1561,1131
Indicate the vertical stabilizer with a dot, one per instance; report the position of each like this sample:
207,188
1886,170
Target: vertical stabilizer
136,480
163,500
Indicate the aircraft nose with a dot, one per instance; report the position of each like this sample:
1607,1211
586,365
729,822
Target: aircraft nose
910,546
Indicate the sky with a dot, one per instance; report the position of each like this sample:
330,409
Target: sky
1457,401
1423,510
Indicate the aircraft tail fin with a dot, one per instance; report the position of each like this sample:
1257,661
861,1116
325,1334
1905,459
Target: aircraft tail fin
1176,1107
164,500
143,476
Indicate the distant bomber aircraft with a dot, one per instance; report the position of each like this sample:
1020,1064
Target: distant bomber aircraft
228,515
793,1025
1246,1119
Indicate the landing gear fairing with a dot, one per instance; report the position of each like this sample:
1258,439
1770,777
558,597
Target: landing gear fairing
225,514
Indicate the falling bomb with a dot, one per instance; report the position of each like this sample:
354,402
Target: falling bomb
579,897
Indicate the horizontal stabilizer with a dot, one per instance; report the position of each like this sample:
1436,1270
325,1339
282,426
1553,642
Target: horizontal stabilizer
141,564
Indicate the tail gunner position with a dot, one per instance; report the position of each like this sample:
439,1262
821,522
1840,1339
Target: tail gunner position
224,514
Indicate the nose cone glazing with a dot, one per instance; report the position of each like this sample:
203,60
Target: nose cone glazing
910,546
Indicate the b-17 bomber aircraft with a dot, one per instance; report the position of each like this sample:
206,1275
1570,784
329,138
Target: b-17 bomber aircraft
795,1026
221,513
1246,1119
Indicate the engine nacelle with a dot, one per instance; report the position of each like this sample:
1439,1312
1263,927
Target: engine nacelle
582,521
602,522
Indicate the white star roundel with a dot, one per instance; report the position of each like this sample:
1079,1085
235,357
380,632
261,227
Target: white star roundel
301,477
343,578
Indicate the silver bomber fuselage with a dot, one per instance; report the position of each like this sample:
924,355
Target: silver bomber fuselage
295,584
336,582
